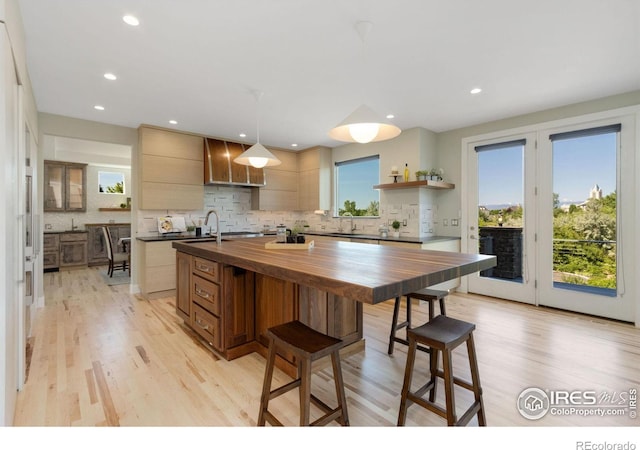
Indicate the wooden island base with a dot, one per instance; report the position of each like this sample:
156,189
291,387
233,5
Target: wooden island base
231,308
231,293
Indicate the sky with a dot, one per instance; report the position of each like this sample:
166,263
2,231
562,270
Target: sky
578,164
356,178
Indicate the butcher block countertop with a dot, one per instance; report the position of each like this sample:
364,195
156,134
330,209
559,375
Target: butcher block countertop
362,272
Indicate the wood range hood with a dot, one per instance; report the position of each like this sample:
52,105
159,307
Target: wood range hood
219,167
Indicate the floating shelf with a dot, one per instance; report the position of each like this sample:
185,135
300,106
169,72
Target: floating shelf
114,209
428,184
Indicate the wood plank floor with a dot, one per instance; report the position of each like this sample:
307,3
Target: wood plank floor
104,357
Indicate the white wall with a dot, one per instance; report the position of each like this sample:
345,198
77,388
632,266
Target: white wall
13,114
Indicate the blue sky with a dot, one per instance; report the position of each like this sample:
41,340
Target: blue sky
578,164
356,178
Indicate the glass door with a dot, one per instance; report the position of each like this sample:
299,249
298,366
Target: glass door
582,215
501,215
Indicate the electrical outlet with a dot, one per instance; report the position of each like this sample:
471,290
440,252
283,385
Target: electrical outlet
47,226
404,222
454,222
445,222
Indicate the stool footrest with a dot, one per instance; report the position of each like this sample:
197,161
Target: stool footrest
405,342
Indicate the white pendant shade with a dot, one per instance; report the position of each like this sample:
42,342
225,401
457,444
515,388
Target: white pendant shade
257,156
364,125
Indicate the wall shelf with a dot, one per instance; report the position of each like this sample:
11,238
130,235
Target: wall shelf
114,209
428,184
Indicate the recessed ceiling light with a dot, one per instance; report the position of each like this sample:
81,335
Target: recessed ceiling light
294,145
110,76
99,107
242,135
475,90
131,20
390,116
173,122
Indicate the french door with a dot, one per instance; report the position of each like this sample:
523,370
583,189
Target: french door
501,212
555,206
586,222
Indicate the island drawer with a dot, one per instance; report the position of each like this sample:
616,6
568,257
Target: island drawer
207,269
206,294
206,325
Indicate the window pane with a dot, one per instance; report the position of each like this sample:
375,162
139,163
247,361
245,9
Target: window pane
111,182
585,213
354,187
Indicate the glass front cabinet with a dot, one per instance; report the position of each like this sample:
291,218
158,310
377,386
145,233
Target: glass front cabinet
65,187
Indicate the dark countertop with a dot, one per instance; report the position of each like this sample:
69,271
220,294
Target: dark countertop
248,234
191,237
362,272
64,231
407,239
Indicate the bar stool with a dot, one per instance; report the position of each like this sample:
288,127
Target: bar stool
442,334
307,345
426,294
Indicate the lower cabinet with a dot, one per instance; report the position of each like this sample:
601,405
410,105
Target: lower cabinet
51,252
231,308
157,260
73,249
217,302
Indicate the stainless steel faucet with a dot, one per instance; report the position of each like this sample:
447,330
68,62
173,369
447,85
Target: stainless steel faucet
347,214
218,233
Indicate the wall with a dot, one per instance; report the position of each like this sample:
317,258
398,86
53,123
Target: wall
17,110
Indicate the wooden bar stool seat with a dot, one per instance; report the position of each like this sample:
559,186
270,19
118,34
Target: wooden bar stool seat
442,334
307,345
426,294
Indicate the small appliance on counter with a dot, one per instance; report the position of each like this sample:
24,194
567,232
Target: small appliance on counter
171,224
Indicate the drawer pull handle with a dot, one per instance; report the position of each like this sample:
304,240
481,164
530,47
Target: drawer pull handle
203,294
200,324
205,268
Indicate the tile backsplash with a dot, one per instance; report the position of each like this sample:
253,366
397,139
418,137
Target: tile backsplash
233,205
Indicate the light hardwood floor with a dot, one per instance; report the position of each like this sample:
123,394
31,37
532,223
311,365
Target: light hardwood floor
103,357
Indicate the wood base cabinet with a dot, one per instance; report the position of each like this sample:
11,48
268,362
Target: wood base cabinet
217,302
231,308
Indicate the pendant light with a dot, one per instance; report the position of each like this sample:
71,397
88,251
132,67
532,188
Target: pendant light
257,155
364,124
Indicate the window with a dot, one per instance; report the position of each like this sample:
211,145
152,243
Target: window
354,187
111,183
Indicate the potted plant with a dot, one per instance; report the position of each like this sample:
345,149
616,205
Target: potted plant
421,175
396,228
436,174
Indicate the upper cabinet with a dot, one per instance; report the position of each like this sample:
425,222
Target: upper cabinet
65,187
280,192
314,179
220,168
171,168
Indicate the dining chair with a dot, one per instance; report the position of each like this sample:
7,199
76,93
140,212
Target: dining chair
116,259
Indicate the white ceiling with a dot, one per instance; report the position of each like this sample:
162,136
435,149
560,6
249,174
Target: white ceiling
196,61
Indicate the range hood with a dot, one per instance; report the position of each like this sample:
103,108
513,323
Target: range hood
219,167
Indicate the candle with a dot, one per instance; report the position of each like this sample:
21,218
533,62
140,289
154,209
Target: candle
394,169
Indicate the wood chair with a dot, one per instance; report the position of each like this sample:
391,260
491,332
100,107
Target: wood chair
117,260
426,294
307,345
442,334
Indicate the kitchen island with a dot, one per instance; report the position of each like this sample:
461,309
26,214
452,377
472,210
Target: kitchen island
231,293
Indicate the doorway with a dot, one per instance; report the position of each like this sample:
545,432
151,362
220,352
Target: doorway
550,205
